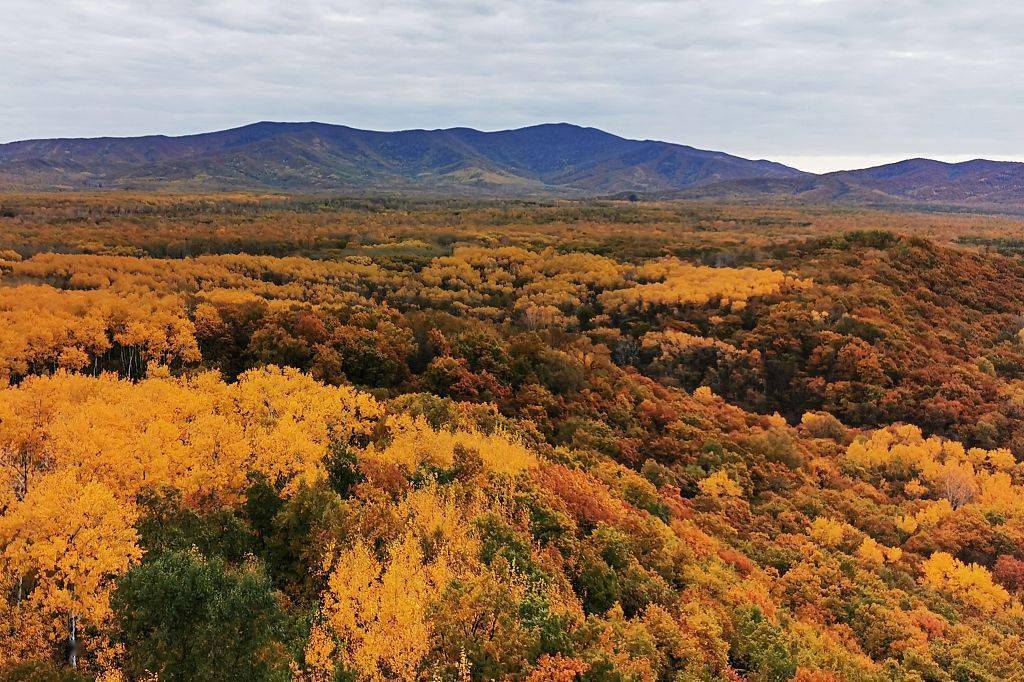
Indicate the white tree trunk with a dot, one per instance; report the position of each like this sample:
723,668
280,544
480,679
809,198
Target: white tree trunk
73,643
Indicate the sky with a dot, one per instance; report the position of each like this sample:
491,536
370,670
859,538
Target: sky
819,84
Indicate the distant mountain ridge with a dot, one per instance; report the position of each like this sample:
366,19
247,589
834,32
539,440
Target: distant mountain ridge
550,158
557,159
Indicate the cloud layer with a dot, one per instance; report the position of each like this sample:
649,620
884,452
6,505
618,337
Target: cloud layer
789,79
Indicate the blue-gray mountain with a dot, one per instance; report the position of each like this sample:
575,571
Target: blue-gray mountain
553,159
544,159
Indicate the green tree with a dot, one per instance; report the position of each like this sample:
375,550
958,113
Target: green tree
184,617
760,648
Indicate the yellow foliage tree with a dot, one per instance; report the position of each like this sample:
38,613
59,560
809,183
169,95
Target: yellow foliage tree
377,610
969,584
415,443
828,532
62,548
719,484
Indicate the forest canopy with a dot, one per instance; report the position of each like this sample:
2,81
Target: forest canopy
265,437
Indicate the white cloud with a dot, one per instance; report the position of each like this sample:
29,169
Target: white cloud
765,78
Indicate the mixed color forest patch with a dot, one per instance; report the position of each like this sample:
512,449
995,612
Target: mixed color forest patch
260,437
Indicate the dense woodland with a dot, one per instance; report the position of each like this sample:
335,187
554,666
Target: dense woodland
266,438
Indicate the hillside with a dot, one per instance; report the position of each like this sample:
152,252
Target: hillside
978,183
250,437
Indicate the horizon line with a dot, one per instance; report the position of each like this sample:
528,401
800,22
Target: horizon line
815,164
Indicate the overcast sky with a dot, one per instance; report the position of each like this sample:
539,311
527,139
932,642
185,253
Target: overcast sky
820,84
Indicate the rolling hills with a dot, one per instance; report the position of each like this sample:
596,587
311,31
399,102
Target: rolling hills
977,183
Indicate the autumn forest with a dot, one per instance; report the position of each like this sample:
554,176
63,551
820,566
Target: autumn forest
268,437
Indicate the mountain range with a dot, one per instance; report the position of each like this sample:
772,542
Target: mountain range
551,159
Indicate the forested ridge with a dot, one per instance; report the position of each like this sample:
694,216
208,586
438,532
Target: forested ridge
265,437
